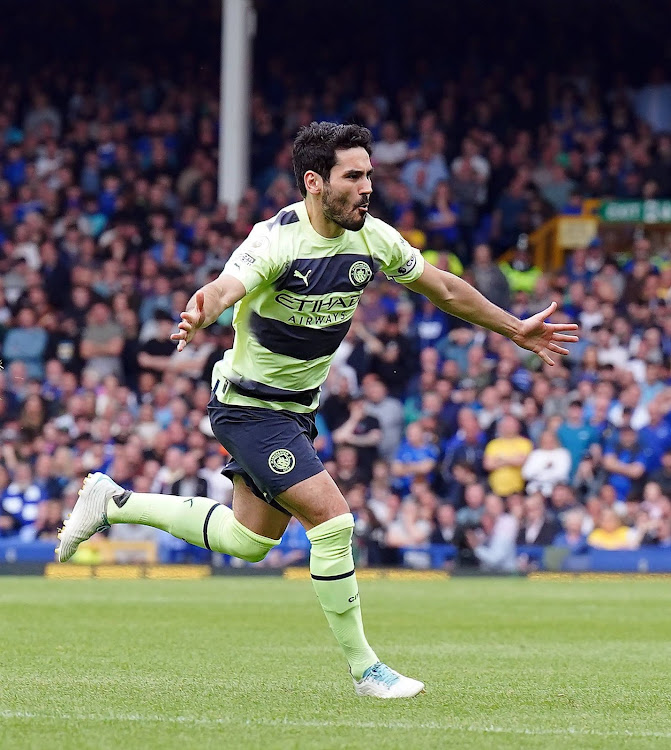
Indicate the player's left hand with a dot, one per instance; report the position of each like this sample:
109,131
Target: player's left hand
542,338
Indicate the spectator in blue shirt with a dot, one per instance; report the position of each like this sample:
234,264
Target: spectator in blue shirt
416,457
27,343
625,463
571,537
423,173
20,502
655,437
575,434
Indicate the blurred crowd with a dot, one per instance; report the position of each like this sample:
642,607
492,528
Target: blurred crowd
436,432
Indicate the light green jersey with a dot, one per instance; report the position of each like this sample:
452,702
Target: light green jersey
302,291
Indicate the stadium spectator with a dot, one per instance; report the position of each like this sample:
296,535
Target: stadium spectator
408,529
416,457
494,545
20,504
625,464
546,465
26,343
504,457
488,277
388,411
102,342
538,527
190,484
362,432
575,434
572,537
611,533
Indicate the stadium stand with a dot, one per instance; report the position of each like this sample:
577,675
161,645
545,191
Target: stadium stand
109,220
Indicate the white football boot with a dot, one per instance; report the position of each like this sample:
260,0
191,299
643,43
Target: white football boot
89,514
380,681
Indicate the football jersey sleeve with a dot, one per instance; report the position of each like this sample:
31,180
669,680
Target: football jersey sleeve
253,263
398,259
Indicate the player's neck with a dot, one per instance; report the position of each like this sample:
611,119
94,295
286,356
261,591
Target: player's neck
327,228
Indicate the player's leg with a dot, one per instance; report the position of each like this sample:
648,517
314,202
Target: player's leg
249,531
320,507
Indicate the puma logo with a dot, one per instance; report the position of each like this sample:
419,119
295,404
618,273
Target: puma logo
305,277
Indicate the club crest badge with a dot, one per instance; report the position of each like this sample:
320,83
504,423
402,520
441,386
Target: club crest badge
360,273
281,461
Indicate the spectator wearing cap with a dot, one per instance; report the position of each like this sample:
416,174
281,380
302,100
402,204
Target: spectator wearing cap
504,457
546,465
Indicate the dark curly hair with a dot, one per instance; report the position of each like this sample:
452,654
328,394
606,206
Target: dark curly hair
316,145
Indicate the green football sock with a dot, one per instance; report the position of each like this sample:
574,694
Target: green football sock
332,571
197,520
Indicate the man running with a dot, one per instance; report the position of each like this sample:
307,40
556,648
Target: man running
295,283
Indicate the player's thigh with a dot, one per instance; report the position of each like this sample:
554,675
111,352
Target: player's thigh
314,500
255,514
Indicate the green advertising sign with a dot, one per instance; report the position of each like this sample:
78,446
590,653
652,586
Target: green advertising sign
636,212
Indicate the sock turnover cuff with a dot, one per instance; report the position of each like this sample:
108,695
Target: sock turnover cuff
265,541
330,527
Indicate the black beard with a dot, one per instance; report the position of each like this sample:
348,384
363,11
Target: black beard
335,210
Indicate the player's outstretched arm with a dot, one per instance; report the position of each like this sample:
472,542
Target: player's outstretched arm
456,296
206,306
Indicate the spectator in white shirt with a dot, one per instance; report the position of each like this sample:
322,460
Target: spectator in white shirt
495,545
392,150
546,465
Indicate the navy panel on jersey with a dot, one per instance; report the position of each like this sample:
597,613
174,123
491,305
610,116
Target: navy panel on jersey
299,342
271,450
338,273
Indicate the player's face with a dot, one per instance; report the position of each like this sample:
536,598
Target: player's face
345,197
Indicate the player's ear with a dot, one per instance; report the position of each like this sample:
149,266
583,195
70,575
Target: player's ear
313,182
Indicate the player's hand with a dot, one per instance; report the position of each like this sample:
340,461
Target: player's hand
191,321
542,338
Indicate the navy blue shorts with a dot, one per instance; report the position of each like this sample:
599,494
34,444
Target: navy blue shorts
271,450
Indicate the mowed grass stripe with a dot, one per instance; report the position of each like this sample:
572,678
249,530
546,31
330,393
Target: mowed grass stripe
228,721
250,663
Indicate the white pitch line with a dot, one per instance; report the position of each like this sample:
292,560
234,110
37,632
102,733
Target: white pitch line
350,724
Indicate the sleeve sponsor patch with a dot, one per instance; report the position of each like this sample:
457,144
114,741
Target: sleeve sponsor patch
407,266
247,259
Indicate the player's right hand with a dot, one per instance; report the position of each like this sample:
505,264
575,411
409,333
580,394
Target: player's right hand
192,320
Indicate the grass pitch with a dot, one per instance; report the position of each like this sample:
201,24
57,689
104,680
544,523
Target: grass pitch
250,663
